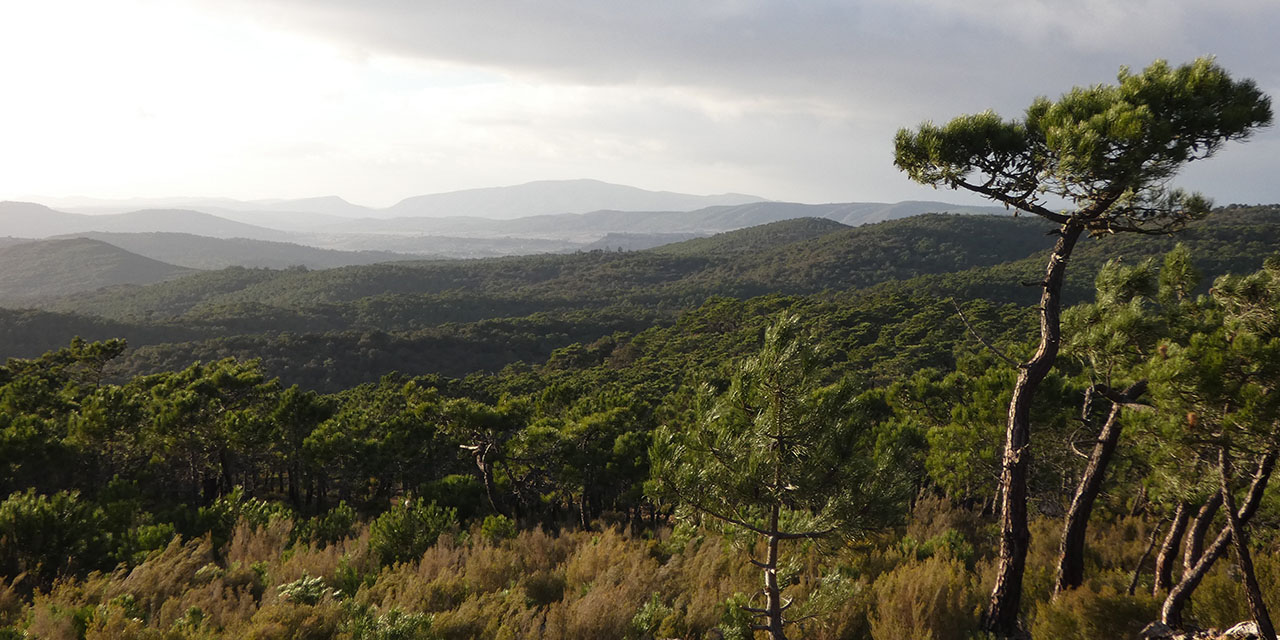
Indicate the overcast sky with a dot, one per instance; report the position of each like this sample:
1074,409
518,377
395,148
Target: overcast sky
377,100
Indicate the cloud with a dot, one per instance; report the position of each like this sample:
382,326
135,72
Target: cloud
382,99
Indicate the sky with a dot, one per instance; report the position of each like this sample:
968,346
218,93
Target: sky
378,100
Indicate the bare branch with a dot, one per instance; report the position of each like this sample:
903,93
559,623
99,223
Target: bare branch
981,339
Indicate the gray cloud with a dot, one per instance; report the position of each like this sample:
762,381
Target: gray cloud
815,69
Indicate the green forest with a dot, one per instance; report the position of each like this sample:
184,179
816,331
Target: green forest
923,428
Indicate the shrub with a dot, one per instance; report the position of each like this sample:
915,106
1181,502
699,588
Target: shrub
649,618
49,535
497,527
1085,614
543,587
306,590
935,599
334,525
407,530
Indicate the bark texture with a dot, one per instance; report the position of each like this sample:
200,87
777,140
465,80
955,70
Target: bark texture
1174,604
1169,550
1071,552
1006,596
1199,529
1253,593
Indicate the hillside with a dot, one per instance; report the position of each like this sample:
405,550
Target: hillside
48,268
202,252
459,316
795,256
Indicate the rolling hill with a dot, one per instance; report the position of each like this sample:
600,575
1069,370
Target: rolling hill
203,252
31,220
342,326
48,268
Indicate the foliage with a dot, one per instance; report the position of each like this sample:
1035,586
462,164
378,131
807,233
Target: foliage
408,529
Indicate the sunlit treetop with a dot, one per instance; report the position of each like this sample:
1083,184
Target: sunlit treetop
1107,150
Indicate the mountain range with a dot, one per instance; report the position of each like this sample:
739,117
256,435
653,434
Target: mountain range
51,252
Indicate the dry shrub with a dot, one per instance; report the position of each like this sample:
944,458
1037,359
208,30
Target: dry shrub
11,603
1088,614
1042,561
935,599
289,621
250,544
539,550
607,580
935,515
479,618
434,583
61,614
401,587
490,568
701,576
167,574
115,621
1118,545
227,598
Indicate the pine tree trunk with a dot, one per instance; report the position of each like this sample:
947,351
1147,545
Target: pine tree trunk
1168,550
1071,551
1137,569
772,593
1199,529
1006,596
1174,604
1244,561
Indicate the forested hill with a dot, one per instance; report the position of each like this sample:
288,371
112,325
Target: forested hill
204,252
330,329
48,268
785,257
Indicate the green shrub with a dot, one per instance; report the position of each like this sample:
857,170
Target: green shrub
497,527
334,525
49,535
407,530
649,618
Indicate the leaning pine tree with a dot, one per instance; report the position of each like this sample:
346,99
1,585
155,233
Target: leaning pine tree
1096,160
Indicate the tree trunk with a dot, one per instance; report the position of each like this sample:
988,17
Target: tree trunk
1006,596
1071,551
1168,550
1199,529
1244,561
1137,570
1176,601
773,594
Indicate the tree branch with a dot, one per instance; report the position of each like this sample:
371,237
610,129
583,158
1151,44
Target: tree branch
983,340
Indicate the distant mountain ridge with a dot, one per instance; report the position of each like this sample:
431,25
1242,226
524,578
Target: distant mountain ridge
549,197
708,220
543,197
30,220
